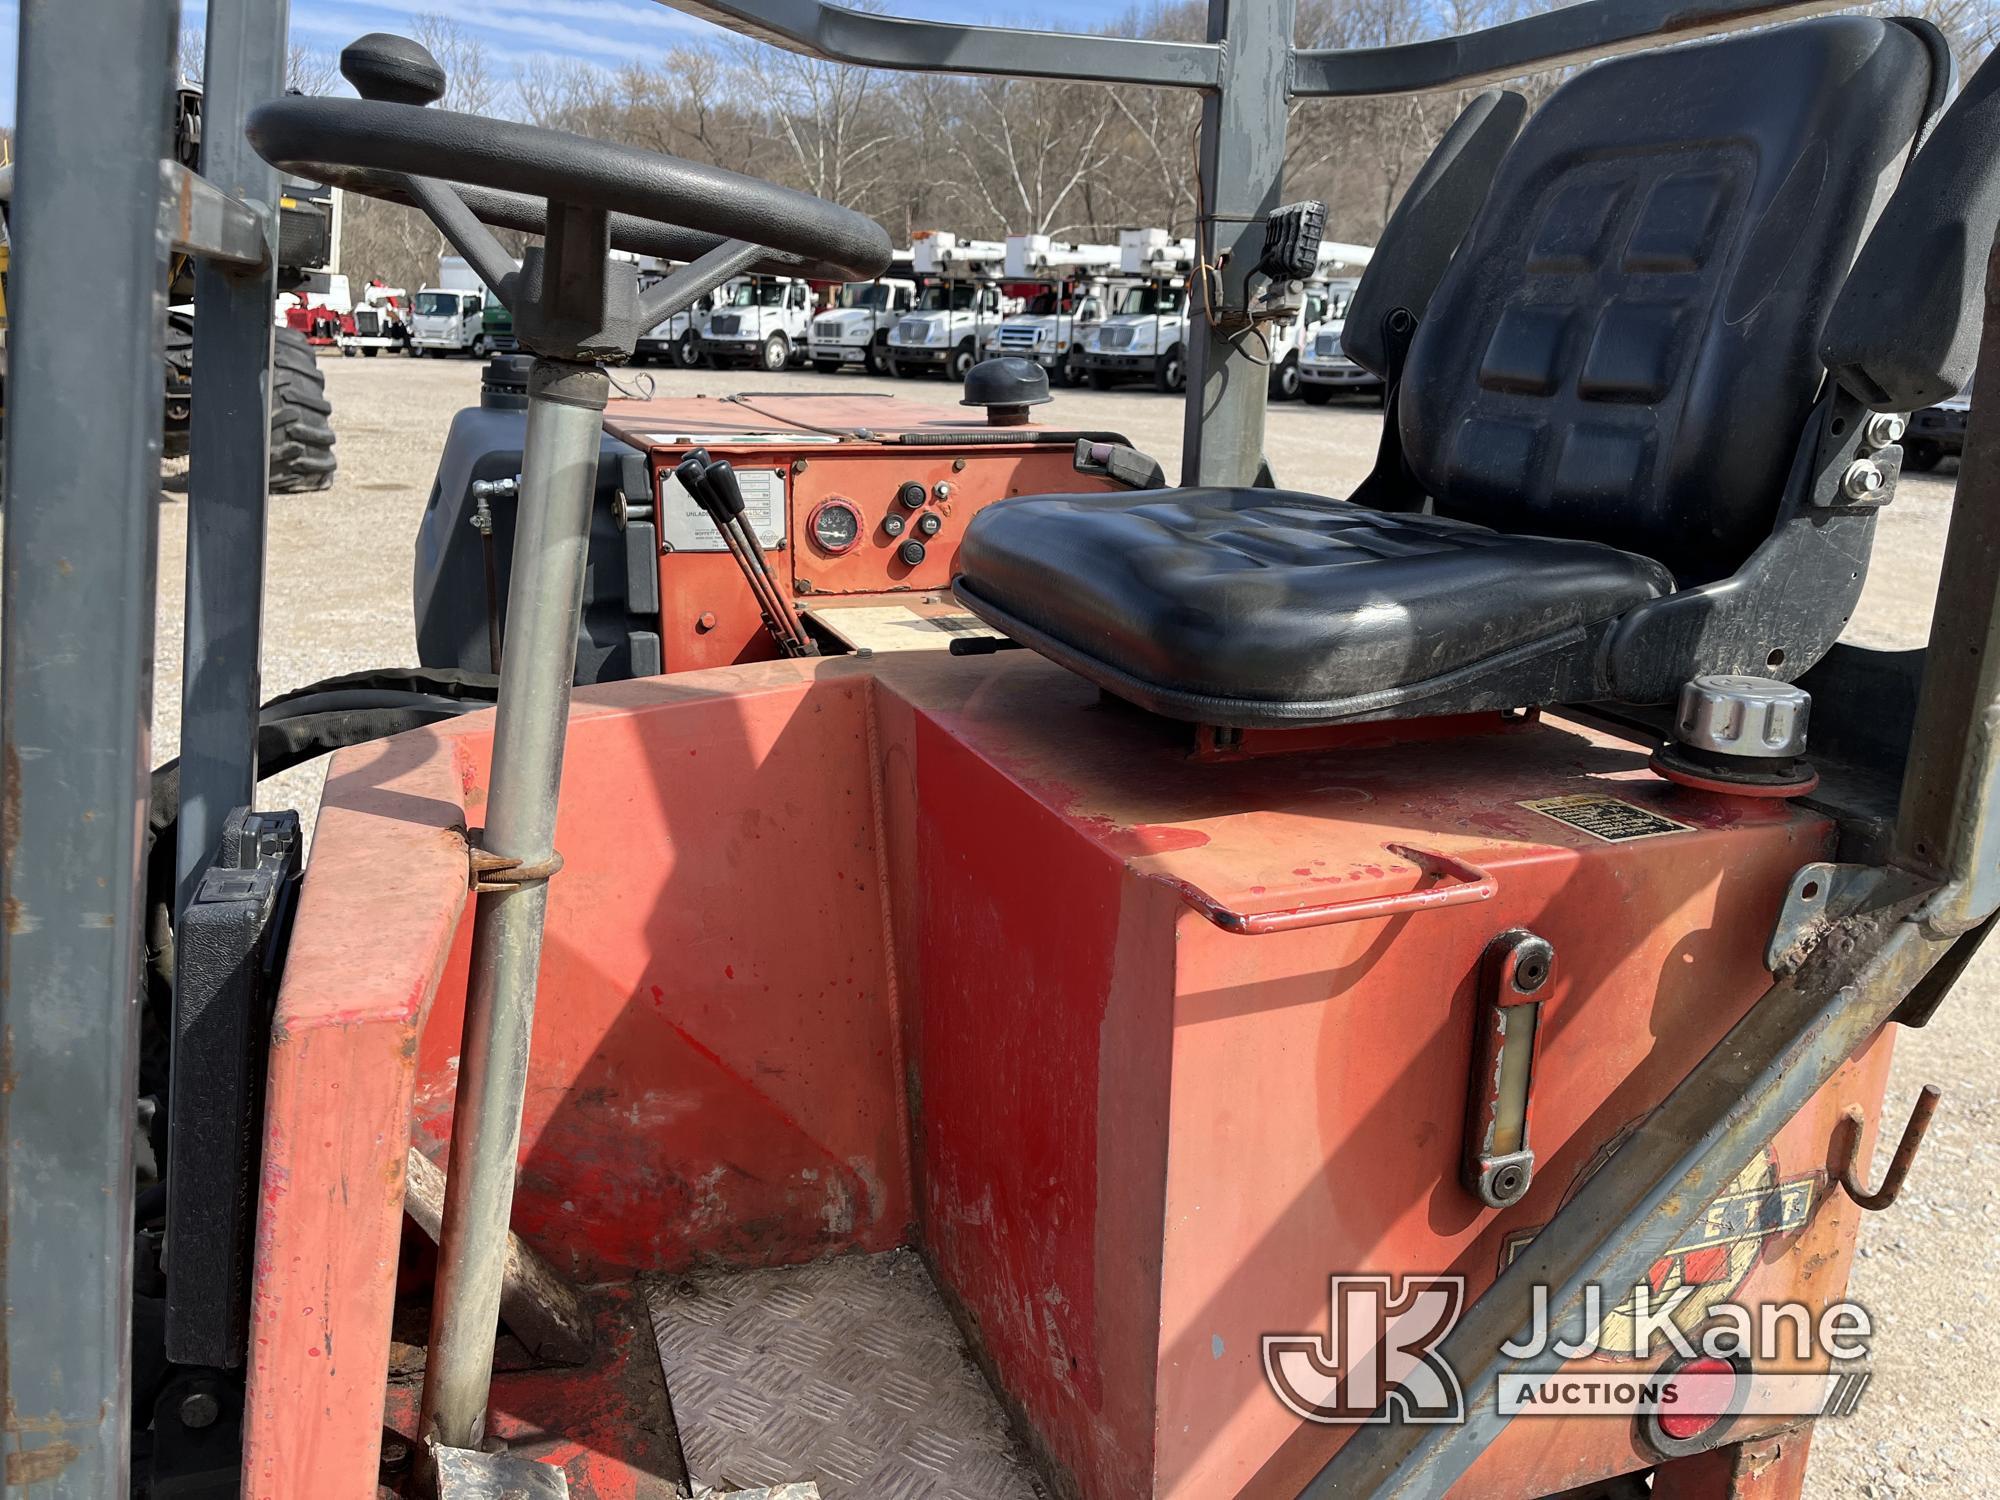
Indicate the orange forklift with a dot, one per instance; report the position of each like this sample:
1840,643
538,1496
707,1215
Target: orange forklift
1288,996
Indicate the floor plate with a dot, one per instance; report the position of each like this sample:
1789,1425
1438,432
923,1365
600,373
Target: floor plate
848,1372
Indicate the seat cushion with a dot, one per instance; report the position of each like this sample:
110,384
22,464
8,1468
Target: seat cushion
1248,605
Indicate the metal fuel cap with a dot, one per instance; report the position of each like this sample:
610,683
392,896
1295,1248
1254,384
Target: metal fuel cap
1744,736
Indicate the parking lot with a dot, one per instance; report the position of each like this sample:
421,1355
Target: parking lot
338,599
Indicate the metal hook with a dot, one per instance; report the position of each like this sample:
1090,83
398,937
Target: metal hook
1899,1164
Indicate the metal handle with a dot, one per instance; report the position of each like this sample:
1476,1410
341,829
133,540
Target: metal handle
1470,884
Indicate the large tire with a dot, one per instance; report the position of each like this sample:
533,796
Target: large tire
776,353
1100,380
1285,379
878,356
963,358
903,371
180,383
1170,371
1313,394
827,366
301,426
687,350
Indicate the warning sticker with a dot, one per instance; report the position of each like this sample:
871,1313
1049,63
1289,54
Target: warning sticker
1606,817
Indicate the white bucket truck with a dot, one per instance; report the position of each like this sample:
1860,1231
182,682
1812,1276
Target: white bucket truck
960,304
1145,338
759,320
1074,300
1293,339
1324,368
854,330
449,316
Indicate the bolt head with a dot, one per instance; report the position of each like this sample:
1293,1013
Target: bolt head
1886,427
1863,479
199,1409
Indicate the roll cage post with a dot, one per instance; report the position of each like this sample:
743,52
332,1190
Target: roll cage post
98,201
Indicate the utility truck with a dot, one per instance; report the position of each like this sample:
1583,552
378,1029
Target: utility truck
1295,311
854,330
449,316
1145,337
759,320
379,322
677,339
1071,300
961,301
1325,368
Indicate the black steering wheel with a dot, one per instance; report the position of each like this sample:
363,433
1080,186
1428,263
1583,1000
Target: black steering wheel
466,171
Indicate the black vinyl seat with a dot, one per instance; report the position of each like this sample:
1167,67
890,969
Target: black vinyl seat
1610,428
1193,593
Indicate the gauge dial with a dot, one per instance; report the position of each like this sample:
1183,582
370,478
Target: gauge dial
835,526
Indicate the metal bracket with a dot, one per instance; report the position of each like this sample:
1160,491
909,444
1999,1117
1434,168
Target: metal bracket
1499,1161
499,872
1820,895
463,1474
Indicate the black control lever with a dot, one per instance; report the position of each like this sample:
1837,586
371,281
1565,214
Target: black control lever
712,482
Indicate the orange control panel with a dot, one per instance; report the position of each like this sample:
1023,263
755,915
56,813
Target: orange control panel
857,501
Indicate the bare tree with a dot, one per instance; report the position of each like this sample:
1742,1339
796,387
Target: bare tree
469,86
829,116
310,71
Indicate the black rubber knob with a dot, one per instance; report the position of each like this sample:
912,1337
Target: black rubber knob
393,69
911,493
930,523
911,552
892,524
721,481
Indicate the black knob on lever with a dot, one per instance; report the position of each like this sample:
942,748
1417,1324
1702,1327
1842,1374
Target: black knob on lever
721,481
393,69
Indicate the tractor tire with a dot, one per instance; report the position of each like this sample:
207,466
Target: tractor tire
180,383
1170,371
301,427
1920,455
1314,395
1285,380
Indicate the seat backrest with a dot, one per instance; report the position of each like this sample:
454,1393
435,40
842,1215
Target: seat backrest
1624,348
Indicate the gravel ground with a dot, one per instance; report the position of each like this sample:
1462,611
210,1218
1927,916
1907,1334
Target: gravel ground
337,599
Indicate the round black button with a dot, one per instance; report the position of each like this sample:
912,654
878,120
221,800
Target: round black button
911,493
930,523
911,552
892,524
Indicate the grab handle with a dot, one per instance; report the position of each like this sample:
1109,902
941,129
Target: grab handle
1468,883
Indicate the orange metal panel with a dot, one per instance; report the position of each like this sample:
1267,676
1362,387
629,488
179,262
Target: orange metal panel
380,905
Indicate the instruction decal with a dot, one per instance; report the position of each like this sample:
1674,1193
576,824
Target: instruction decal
1605,817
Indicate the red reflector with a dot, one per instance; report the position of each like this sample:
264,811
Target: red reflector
1683,1426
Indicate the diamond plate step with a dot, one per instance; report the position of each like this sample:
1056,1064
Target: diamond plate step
848,1372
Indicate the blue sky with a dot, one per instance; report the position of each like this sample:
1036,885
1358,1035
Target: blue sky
602,32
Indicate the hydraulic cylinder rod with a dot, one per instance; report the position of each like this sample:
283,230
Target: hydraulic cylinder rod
545,599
